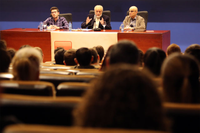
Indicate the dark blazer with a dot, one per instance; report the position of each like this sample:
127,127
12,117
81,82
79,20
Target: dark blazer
91,23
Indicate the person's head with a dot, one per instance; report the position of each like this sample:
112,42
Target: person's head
95,56
26,64
124,51
98,10
180,74
24,46
58,48
173,48
153,59
194,50
141,58
54,12
123,97
69,57
11,52
133,10
59,56
5,60
83,56
100,51
105,59
3,45
40,50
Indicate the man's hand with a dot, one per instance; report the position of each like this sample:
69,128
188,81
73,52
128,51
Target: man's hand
88,20
53,27
102,21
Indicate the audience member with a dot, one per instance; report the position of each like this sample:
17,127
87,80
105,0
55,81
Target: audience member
84,58
194,50
95,55
123,97
26,64
59,56
124,52
105,60
11,52
5,60
3,45
173,48
141,58
100,51
69,57
180,75
58,48
153,59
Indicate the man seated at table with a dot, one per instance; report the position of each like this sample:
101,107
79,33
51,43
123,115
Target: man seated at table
55,21
134,21
97,19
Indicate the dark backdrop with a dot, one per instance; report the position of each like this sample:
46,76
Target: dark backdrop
159,10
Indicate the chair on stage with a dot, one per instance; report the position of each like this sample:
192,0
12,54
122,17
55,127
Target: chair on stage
71,89
67,16
184,117
34,88
37,110
106,12
143,14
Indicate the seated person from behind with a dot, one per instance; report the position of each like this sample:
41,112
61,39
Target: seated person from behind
26,64
59,57
134,21
96,20
84,58
55,21
95,55
69,57
173,48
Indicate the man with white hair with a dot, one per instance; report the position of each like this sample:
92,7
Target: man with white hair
97,19
26,64
134,21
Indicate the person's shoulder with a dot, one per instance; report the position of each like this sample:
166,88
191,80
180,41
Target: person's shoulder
140,17
105,16
62,18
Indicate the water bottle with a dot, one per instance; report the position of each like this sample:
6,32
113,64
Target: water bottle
122,27
41,26
70,26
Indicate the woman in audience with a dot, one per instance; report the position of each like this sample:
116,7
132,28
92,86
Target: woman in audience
26,64
180,75
173,48
194,50
123,97
153,59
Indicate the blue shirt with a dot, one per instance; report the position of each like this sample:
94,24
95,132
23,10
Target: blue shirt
61,22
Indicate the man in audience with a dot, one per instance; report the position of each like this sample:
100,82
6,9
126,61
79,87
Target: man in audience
59,56
4,60
173,48
194,50
69,57
95,57
122,97
134,21
11,52
55,21
26,64
3,45
124,52
97,19
84,58
100,51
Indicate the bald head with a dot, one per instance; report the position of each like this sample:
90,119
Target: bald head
98,10
133,10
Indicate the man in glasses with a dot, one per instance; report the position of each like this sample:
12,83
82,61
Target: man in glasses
133,21
55,21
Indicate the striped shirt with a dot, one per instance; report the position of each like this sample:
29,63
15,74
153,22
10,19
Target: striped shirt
61,22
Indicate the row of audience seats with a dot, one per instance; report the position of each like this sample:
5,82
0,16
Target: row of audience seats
58,111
